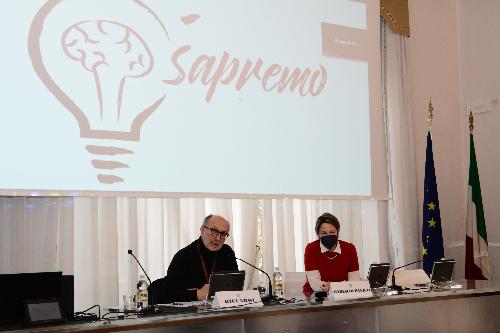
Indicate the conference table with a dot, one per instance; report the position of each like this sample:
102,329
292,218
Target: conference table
473,308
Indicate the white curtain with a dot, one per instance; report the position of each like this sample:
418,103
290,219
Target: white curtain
403,224
289,225
89,237
34,235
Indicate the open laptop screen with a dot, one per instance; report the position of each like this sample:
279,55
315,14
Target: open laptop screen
377,275
442,270
17,288
225,281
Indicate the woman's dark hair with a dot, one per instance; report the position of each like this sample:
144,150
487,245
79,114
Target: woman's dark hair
327,218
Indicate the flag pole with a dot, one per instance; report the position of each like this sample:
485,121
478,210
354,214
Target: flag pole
471,121
430,115
477,266
432,234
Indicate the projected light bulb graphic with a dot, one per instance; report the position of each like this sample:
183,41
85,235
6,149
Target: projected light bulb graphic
112,53
104,56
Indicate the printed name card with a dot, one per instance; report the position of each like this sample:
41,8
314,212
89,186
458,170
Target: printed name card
349,290
232,299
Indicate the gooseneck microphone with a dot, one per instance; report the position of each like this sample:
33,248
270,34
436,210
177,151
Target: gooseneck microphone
270,298
132,254
394,286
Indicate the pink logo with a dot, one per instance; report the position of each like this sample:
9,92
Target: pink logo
113,54
109,54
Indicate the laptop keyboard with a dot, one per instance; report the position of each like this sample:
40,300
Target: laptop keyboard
166,309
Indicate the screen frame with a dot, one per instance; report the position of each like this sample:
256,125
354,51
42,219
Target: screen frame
225,281
32,322
445,268
379,182
376,272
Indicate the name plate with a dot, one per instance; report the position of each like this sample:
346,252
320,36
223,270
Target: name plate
349,290
231,299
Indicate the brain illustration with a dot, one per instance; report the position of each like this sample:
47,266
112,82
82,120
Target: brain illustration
113,52
107,43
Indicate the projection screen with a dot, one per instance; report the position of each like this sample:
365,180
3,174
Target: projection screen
224,98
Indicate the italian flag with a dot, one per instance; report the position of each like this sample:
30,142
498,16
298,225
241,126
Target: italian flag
477,265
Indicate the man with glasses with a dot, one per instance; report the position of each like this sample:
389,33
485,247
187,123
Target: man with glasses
190,269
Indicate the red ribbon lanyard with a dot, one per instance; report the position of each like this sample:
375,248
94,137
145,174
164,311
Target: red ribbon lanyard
203,264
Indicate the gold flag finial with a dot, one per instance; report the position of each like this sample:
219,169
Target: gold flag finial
471,122
429,113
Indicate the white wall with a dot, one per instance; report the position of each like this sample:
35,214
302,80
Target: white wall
454,52
479,42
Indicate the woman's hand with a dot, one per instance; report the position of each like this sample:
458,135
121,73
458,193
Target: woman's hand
325,286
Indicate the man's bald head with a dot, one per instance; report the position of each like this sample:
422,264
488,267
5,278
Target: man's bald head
214,224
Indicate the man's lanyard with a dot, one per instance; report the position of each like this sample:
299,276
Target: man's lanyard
203,264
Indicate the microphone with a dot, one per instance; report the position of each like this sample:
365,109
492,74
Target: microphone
143,270
270,298
152,290
394,286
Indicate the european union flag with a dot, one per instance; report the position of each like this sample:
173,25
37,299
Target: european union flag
432,235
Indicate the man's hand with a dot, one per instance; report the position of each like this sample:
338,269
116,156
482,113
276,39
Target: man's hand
202,293
325,286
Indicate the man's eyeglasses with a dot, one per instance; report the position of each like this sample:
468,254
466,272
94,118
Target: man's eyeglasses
214,232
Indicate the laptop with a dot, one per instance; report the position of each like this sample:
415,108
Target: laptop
18,288
377,274
442,270
225,281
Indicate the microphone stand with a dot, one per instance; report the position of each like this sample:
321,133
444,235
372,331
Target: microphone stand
394,286
151,308
270,299
132,254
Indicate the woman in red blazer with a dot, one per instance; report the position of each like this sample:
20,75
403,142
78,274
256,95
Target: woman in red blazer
329,259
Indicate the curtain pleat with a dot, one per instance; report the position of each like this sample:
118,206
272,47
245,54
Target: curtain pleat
403,222
89,237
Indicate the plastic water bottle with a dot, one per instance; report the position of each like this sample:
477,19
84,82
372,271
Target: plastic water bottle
142,292
277,283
